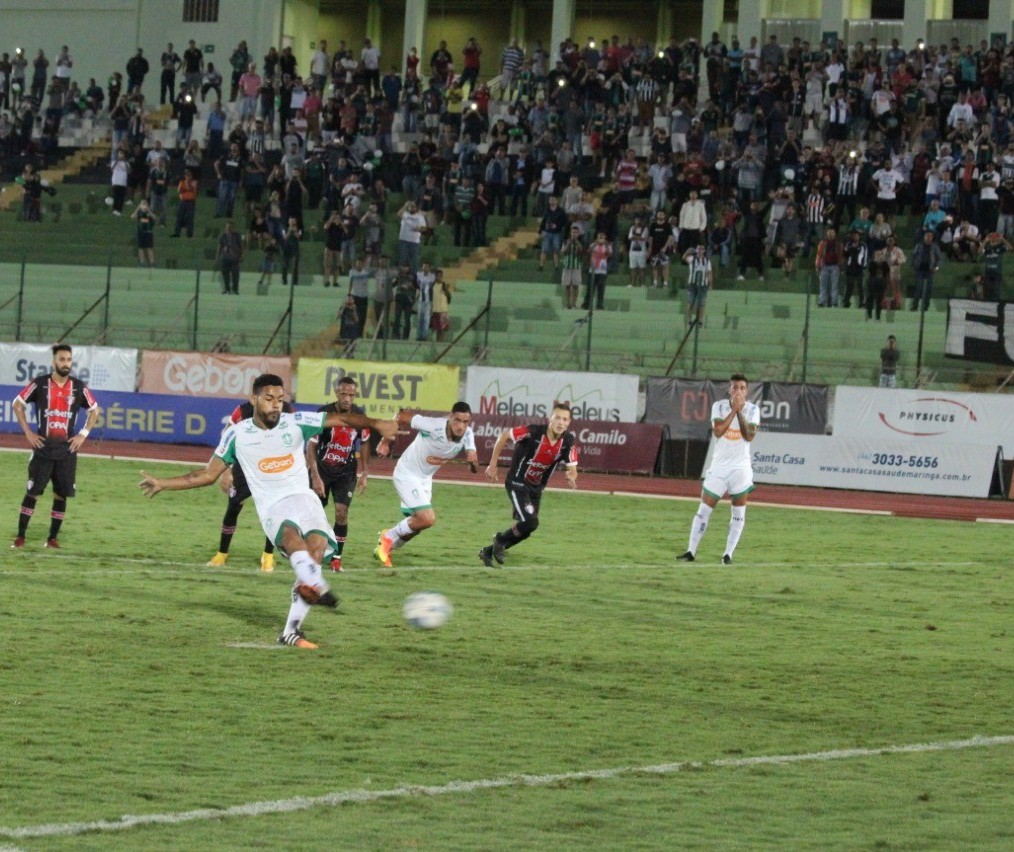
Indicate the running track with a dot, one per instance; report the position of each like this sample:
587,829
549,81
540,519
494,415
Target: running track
901,505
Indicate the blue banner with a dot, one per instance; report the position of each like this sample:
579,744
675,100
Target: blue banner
162,418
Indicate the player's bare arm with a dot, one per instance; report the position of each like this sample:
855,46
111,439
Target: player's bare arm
35,440
572,475
501,442
151,485
316,483
386,428
364,464
79,438
720,427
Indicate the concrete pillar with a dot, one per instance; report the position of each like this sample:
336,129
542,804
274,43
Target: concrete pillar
914,25
562,28
415,33
518,21
373,28
712,17
749,23
1001,12
832,17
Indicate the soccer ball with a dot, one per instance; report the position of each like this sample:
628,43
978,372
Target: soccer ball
426,610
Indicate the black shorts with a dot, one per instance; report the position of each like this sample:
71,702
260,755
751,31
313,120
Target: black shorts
52,462
340,484
524,499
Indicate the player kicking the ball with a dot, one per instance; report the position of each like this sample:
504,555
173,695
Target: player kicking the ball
439,440
734,422
270,447
538,449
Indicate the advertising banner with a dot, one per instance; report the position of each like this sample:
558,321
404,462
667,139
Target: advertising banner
206,374
932,467
916,416
384,387
980,331
100,367
601,446
166,419
684,405
531,393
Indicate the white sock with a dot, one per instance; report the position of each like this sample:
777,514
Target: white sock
307,571
698,527
399,532
297,612
735,528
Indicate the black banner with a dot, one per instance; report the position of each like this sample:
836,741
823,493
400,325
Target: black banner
980,331
684,405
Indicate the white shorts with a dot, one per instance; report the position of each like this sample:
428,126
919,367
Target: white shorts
415,492
737,481
638,259
302,511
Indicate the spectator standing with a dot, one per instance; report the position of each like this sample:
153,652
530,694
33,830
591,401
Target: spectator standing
471,64
599,253
856,260
552,228
993,249
291,239
413,224
240,61
193,66
170,62
229,254
137,70
359,290
424,279
889,357
404,301
877,283
925,262
693,222
187,192
573,253
145,218
830,256
120,175
700,277
895,259
369,57
441,320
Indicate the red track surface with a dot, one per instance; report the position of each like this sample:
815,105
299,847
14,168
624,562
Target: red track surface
902,505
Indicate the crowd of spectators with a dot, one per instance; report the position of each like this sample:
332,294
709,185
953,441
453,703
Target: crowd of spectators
843,156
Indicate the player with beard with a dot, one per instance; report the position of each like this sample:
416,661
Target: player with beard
334,459
270,447
234,484
438,441
538,449
57,398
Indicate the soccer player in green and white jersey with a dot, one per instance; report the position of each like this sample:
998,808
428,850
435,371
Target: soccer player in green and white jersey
437,442
270,447
734,423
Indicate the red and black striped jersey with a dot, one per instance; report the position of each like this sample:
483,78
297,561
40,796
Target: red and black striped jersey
337,447
536,457
56,405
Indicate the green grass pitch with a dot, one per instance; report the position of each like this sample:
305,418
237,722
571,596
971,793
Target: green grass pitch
592,693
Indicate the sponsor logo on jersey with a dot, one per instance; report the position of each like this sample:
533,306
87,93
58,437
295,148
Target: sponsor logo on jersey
276,464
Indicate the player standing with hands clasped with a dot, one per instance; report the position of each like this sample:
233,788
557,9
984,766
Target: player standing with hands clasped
438,441
538,449
57,398
734,422
270,447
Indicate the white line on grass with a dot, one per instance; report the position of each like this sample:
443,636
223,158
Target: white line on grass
145,565
330,800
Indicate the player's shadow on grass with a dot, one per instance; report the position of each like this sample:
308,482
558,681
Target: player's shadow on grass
261,617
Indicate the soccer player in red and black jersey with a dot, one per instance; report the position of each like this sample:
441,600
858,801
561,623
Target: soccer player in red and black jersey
233,483
57,398
338,460
538,449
